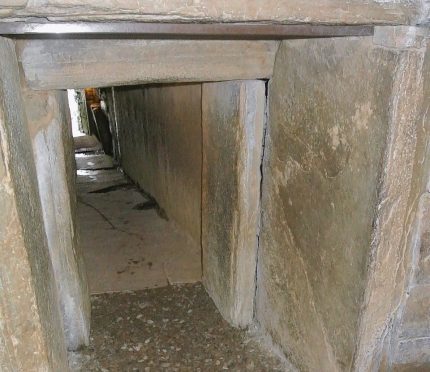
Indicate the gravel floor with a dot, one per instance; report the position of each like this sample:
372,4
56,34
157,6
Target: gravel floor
175,328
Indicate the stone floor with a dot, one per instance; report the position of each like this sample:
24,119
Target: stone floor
175,328
127,241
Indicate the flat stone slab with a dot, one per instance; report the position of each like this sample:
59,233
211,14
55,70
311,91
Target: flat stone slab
86,143
93,162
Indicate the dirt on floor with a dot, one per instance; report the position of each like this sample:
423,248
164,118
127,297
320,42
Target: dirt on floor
175,328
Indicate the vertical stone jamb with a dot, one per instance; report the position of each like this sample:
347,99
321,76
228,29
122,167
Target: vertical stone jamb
50,130
233,120
400,190
31,331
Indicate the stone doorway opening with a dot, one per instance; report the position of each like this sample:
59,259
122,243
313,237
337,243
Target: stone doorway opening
314,268
160,211
128,240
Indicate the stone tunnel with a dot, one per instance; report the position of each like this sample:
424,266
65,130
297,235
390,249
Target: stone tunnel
204,186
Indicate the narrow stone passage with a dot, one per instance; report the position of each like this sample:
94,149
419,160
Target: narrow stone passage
128,244
130,249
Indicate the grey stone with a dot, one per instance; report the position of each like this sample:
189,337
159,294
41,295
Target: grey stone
159,131
232,121
50,129
63,64
291,11
31,332
327,130
402,186
416,316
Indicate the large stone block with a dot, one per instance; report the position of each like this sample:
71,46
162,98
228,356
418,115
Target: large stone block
285,11
50,130
329,113
160,139
403,188
32,336
232,121
63,64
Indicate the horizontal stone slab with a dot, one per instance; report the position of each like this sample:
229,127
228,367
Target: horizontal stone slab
290,11
61,64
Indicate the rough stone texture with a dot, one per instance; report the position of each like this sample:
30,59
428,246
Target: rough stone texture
63,64
31,331
408,344
416,317
423,264
176,328
328,124
50,129
159,131
403,182
232,121
291,11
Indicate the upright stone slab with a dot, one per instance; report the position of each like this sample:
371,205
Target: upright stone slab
50,130
32,336
329,114
395,322
159,136
232,120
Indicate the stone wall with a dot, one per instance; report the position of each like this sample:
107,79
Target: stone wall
160,136
328,124
50,130
31,331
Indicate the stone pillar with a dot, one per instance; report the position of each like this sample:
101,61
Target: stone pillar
395,291
233,116
31,332
50,129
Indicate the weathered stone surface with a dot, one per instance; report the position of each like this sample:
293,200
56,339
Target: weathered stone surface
50,129
31,331
416,316
13,3
291,11
423,267
403,305
414,353
159,131
402,186
62,64
328,124
232,121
